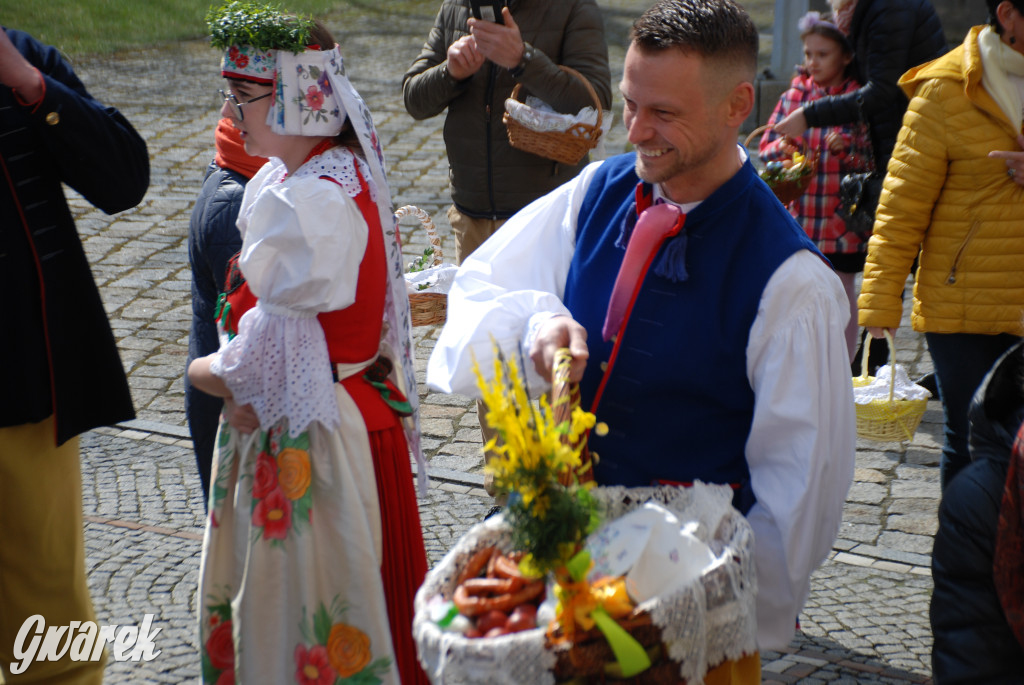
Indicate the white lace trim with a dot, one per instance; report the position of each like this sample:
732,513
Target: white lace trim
339,163
702,624
280,365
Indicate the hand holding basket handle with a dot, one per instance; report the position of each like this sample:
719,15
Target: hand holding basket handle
565,396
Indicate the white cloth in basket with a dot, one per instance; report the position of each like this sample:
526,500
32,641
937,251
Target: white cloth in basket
537,115
878,389
652,548
438,279
704,623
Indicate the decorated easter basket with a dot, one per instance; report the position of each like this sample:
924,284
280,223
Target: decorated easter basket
696,627
788,186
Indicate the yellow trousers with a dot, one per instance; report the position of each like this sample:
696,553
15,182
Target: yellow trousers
42,549
746,671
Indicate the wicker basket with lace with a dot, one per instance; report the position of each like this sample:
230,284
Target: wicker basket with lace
426,309
696,628
567,147
891,420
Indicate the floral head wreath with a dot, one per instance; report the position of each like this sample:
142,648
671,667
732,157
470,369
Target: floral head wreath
314,97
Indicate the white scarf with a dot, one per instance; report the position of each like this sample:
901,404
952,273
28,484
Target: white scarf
1000,64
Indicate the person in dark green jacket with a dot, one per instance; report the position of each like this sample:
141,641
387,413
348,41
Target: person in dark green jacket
470,67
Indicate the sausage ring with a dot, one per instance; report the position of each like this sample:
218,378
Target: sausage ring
476,564
471,600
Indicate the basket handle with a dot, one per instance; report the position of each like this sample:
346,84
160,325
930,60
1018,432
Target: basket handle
428,225
892,360
565,396
586,83
805,151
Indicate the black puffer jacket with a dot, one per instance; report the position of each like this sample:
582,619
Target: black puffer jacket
488,177
58,352
889,37
973,643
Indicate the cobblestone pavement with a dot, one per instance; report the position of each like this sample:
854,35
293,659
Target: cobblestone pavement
866,619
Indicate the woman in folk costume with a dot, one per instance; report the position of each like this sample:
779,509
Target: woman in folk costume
313,549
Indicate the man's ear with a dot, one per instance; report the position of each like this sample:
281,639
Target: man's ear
739,104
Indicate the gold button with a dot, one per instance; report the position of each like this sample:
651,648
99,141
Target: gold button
53,118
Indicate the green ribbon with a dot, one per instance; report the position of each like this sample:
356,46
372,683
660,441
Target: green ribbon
630,654
220,315
402,407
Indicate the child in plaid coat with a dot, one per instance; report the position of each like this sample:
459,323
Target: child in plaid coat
839,149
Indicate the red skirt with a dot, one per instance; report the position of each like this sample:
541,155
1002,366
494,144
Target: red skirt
404,563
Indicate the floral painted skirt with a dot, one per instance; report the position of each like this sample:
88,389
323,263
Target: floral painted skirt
290,586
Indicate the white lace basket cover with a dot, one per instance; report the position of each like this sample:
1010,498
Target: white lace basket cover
702,624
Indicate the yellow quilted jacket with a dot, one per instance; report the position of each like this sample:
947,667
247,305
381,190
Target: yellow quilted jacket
943,196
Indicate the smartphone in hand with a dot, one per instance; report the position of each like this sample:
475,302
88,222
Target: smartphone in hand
488,10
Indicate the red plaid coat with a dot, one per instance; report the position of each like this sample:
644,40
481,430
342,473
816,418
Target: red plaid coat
816,208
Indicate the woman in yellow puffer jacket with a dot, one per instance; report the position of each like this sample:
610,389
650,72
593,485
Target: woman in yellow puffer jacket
947,198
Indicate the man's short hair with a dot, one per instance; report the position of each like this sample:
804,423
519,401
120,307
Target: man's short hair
718,30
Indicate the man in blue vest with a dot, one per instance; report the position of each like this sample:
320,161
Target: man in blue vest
708,333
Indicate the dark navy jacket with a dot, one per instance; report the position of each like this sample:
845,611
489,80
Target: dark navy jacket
59,354
213,238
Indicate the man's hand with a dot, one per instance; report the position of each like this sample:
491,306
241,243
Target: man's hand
560,331
16,73
502,44
241,416
794,125
464,59
1014,162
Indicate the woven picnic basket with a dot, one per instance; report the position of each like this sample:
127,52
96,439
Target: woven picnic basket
427,309
891,420
567,147
790,189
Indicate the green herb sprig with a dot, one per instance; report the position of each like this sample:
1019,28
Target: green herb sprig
263,26
423,261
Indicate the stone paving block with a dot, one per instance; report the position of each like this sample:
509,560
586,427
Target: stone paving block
867,493
900,488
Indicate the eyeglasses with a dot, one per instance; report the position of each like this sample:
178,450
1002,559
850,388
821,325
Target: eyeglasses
236,106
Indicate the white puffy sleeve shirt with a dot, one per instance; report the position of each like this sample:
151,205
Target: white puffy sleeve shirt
303,241
802,439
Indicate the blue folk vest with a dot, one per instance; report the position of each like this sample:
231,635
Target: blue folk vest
677,402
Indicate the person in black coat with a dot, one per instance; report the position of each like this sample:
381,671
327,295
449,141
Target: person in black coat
213,238
888,37
973,642
61,373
